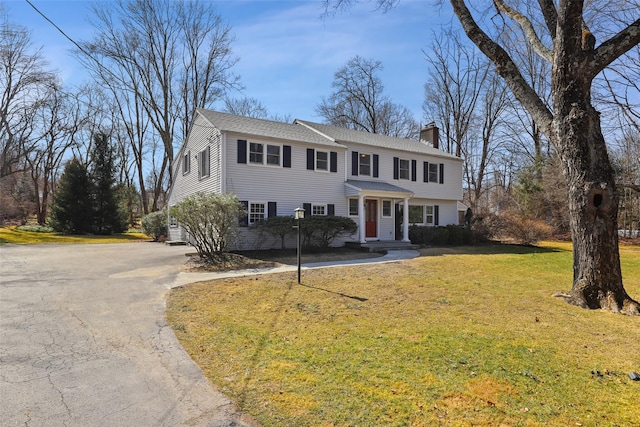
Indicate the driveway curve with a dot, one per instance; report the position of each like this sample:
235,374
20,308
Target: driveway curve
84,342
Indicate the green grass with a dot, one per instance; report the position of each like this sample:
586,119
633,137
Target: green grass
39,235
462,336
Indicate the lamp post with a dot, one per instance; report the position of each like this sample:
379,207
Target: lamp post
298,215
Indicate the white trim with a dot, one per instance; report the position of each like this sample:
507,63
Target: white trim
315,161
323,205
265,154
382,215
265,206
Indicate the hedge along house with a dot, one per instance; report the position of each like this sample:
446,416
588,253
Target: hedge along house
382,183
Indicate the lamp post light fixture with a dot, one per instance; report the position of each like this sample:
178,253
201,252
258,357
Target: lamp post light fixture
298,215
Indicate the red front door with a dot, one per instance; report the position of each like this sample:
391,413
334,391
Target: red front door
371,218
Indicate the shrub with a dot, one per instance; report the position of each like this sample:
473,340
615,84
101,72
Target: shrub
211,220
424,235
278,226
455,237
517,228
527,231
320,231
154,225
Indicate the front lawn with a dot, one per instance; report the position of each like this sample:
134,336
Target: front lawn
19,235
460,336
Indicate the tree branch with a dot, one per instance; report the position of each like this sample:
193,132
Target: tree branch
505,67
550,14
615,47
528,29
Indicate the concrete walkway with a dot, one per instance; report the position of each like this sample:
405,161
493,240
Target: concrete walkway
391,256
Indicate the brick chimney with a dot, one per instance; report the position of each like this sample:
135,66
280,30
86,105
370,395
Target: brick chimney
429,134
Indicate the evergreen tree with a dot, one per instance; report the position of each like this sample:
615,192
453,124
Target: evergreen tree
108,217
72,209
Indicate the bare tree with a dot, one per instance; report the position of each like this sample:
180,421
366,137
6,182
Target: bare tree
160,60
467,99
358,102
248,107
24,83
57,120
453,88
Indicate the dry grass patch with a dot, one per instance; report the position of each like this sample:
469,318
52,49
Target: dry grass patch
13,235
464,336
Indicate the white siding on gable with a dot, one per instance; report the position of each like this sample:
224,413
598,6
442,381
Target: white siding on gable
201,137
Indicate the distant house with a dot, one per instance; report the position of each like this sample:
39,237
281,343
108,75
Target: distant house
382,183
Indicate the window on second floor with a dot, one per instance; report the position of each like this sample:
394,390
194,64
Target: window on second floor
204,163
186,163
404,169
433,172
261,154
365,164
322,160
256,153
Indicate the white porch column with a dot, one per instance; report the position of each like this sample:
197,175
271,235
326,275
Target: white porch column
361,219
405,220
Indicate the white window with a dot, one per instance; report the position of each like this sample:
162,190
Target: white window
353,207
256,212
416,214
404,169
318,209
173,222
261,154
322,160
273,155
433,172
203,163
256,153
429,219
365,164
386,208
186,163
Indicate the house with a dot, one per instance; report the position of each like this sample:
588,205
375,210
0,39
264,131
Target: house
382,183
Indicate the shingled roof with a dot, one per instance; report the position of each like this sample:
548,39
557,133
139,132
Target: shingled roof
265,128
344,135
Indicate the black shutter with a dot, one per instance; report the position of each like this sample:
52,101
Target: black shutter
243,219
414,166
441,173
355,164
375,165
286,156
272,209
425,171
311,158
396,168
436,215
307,209
331,209
333,161
242,151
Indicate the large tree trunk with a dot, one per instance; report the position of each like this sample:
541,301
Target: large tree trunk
593,200
593,208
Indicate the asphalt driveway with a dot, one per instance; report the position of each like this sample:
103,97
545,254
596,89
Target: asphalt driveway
84,342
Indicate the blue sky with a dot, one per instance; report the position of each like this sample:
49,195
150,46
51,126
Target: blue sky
288,53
